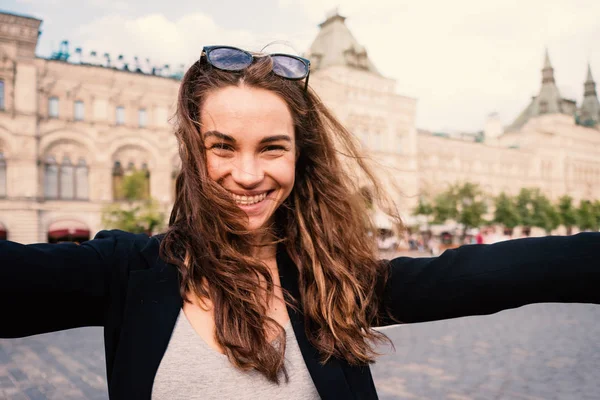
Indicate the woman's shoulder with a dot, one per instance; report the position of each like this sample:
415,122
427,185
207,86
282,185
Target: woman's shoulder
138,248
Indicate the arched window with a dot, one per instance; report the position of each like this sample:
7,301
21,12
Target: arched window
67,179
81,180
117,182
2,175
50,178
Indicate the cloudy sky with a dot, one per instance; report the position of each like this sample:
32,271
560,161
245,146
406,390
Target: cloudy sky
462,59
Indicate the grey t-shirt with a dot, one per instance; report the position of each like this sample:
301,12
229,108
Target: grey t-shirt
192,370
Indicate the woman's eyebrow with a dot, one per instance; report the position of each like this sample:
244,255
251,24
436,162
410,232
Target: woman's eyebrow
219,135
275,138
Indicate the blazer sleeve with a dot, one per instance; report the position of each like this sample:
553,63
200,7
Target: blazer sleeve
49,287
485,279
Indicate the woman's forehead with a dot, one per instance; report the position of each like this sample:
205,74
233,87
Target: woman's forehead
241,109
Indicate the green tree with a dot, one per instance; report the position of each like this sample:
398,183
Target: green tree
506,212
423,208
596,212
444,207
524,203
471,206
586,220
568,213
545,215
463,203
138,214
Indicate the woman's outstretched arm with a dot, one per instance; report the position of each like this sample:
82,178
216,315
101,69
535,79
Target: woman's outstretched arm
484,279
50,287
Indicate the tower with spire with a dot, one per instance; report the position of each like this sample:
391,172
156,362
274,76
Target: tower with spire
335,45
589,114
548,101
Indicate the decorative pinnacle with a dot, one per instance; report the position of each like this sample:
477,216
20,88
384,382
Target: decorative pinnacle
547,60
589,74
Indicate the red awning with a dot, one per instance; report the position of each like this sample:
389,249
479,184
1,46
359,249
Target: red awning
75,233
65,228
3,233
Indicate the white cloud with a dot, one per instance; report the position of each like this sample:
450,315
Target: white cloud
176,42
154,36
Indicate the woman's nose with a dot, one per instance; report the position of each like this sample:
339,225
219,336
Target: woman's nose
248,172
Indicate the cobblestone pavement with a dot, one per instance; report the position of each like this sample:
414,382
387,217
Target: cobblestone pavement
537,352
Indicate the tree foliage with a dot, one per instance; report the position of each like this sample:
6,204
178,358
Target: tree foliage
568,213
525,204
545,215
506,212
138,214
586,220
463,203
423,208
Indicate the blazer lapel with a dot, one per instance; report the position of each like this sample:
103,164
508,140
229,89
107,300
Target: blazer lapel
152,306
329,379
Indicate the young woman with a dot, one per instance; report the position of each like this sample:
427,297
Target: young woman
267,283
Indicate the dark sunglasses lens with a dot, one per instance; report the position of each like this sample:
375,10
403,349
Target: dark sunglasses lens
289,67
229,59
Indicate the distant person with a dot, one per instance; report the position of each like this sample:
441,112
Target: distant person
267,282
479,237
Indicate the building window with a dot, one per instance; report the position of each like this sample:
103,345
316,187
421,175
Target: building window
120,115
142,118
53,107
81,180
2,175
1,94
65,181
50,179
79,110
67,184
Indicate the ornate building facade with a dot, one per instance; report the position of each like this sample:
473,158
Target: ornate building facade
69,132
551,145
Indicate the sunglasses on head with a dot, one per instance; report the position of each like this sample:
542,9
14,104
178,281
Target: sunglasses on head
227,58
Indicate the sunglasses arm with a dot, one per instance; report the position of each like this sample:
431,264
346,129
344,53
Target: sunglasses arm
306,82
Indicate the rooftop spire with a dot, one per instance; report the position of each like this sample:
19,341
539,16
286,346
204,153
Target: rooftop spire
335,45
589,74
547,71
548,101
589,85
547,63
589,114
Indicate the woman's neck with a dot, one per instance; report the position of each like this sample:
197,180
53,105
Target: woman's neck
266,252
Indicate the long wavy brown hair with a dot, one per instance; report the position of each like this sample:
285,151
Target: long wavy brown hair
324,225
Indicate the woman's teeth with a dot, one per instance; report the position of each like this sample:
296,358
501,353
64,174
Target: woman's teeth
248,200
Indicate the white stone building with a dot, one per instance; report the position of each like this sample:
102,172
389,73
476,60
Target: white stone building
69,131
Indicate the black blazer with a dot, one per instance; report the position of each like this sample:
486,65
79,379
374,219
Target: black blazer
119,282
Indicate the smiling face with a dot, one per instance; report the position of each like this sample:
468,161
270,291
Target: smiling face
250,146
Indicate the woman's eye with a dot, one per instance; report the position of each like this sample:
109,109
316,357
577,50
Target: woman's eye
274,148
220,146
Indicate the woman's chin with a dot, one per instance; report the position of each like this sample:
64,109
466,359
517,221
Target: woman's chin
255,223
